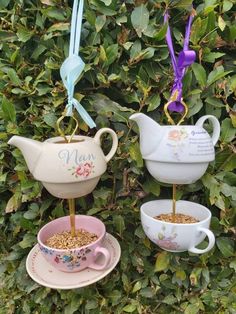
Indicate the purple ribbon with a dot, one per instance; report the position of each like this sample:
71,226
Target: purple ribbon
186,58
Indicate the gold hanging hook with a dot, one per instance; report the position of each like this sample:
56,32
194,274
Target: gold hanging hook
61,132
172,99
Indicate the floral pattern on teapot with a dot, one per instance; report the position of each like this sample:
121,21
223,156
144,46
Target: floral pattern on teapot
82,170
177,135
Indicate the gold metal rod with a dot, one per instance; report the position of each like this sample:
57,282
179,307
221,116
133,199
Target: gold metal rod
174,203
71,203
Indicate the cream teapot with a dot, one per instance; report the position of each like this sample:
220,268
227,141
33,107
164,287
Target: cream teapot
176,154
67,170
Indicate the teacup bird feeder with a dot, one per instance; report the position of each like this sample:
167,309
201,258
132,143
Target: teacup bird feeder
176,154
70,166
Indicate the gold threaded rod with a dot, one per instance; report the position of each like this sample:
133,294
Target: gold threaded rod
71,203
174,203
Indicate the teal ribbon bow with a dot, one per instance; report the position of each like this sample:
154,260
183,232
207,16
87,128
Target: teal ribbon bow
73,66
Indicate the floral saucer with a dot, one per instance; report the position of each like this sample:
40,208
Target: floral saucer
46,275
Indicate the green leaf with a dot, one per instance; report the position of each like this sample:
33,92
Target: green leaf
227,5
169,299
195,105
31,214
107,2
102,193
135,49
8,109
226,246
6,36
38,51
233,264
180,274
58,27
55,13
162,33
147,292
119,223
137,286
14,77
228,132
121,20
50,119
100,22
217,74
91,304
13,203
130,308
24,34
221,23
153,102
212,56
27,241
200,74
213,185
135,154
4,3
140,19
181,3
111,54
162,261
228,190
151,186
215,102
148,53
115,296
191,309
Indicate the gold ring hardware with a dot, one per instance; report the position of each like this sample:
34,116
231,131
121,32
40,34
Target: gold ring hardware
61,132
172,99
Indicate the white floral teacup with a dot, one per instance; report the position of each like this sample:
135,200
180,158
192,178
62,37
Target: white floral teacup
176,237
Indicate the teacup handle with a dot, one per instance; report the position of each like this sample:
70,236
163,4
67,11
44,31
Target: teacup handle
211,239
97,139
216,126
106,254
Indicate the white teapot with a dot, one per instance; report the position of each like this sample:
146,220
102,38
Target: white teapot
176,154
67,170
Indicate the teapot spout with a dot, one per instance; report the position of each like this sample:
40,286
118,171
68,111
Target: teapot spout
30,149
150,133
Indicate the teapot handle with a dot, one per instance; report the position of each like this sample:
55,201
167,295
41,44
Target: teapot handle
97,139
216,126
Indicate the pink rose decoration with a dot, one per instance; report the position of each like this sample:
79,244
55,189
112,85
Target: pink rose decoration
84,169
167,244
174,135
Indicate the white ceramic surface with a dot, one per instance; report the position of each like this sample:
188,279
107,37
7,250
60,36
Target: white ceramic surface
175,237
177,154
67,170
46,275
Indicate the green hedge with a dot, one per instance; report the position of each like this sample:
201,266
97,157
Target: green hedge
127,70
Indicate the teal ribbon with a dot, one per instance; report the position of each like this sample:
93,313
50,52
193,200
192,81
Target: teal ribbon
73,65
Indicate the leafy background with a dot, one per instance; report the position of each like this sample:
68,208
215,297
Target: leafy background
127,70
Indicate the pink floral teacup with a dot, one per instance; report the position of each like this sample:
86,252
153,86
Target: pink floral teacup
176,237
74,260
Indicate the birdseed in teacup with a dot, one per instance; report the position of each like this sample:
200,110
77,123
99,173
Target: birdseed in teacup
177,218
64,240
